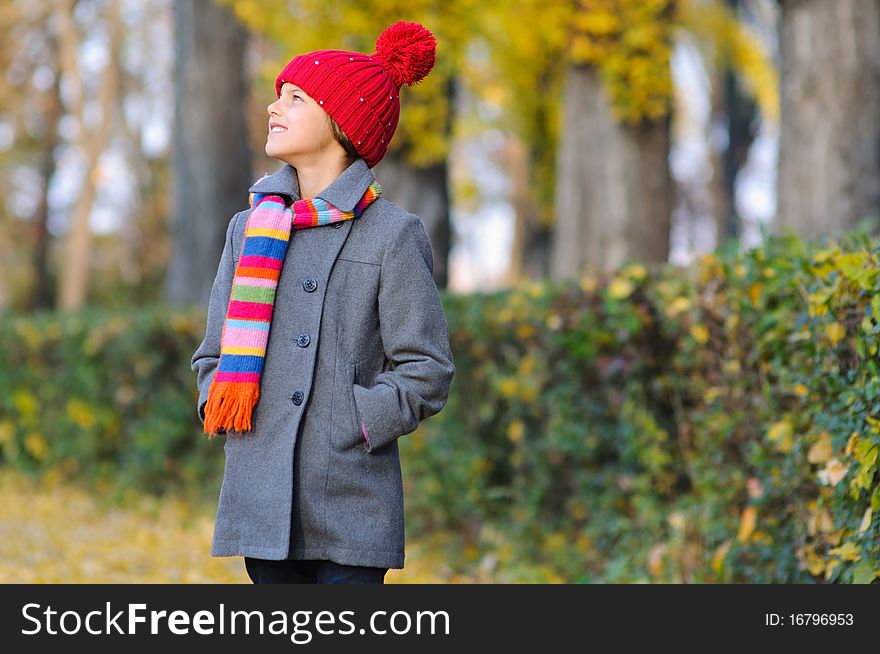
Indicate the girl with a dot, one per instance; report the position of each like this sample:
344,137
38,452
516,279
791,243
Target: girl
325,339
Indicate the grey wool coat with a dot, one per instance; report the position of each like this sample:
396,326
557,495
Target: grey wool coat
358,334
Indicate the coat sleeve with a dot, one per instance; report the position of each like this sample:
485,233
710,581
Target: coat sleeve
207,355
415,336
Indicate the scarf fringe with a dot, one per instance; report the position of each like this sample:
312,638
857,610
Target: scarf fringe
229,407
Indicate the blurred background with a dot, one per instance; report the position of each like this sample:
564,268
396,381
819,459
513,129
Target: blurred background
654,225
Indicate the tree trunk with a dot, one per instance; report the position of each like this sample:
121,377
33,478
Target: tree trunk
43,295
75,264
529,255
829,149
211,159
614,189
735,112
424,192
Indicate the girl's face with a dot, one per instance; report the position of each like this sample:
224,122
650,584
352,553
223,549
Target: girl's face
298,127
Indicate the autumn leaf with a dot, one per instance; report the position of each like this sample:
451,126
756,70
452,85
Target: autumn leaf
833,472
835,332
849,551
747,523
515,431
866,521
781,433
821,450
620,288
700,334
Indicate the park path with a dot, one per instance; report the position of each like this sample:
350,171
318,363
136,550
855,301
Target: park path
54,532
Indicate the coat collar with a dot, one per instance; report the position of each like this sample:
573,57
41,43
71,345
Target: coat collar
343,192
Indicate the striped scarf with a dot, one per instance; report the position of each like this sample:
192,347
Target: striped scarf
235,387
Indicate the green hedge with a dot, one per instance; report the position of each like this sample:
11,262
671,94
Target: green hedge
107,397
714,423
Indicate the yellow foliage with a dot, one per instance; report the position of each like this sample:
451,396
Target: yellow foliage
588,283
849,551
25,403
700,333
874,422
719,555
508,387
655,559
815,564
7,431
817,310
851,443
528,393
833,472
635,271
819,521
835,332
711,394
677,520
584,543
555,542
748,519
620,288
866,521
677,306
577,509
755,293
554,321
80,413
629,42
36,445
821,451
515,431
734,43
781,433
524,330
535,290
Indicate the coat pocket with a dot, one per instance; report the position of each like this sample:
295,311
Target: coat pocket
346,424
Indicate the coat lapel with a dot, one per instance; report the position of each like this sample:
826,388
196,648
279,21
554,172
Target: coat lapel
343,192
317,248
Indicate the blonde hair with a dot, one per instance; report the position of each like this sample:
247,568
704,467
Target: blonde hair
343,140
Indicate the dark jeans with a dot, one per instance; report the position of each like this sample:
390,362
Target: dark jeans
309,571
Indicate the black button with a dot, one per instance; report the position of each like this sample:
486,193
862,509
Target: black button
297,398
337,224
310,285
303,340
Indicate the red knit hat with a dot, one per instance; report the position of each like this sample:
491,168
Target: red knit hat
362,92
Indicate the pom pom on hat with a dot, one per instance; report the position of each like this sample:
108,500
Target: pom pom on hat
408,52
